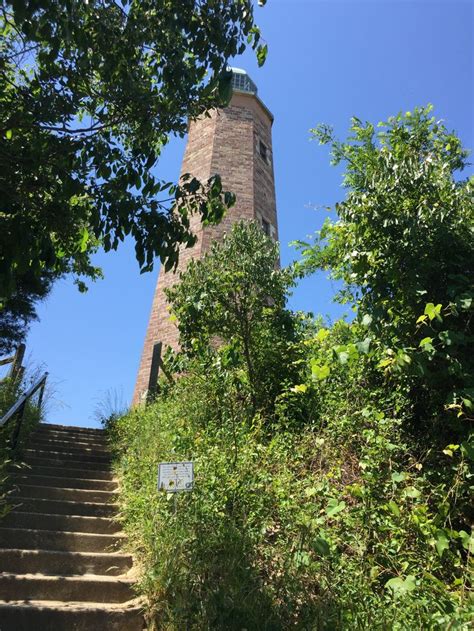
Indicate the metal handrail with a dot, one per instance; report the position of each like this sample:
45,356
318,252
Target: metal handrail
19,406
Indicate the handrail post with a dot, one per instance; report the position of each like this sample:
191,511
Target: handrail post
18,409
16,369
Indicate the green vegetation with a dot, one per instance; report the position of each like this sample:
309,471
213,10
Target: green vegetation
11,388
89,97
333,463
19,309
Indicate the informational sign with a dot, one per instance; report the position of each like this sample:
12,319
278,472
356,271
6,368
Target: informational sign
174,477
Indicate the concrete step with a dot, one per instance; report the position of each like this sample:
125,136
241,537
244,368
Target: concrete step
101,441
85,464
44,430
67,445
104,589
72,429
70,523
66,455
65,563
42,436
64,507
63,482
59,616
86,474
33,539
58,493
59,545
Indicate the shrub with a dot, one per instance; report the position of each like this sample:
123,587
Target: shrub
333,472
10,390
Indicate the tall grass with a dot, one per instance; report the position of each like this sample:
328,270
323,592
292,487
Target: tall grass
302,528
11,456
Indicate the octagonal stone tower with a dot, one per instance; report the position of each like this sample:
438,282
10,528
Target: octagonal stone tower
235,142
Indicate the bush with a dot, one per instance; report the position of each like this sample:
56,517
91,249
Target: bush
333,474
10,391
328,527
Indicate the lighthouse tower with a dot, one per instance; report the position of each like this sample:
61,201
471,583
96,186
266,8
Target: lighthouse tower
235,142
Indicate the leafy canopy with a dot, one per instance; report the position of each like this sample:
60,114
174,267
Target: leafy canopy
234,299
90,93
403,247
19,309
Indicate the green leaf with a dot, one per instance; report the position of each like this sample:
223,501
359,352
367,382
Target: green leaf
426,345
441,542
433,311
318,371
262,54
464,301
467,541
364,346
399,586
9,134
84,240
425,341
393,506
446,337
343,357
412,492
225,87
398,476
321,335
299,388
468,450
321,546
450,449
334,507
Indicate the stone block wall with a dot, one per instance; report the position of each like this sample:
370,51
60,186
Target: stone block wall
229,142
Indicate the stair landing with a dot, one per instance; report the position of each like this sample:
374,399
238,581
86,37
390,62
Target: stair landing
60,559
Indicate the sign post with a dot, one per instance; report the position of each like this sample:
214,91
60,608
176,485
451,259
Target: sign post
175,477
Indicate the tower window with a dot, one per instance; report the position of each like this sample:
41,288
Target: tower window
263,151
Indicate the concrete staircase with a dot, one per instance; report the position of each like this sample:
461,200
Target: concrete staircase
60,564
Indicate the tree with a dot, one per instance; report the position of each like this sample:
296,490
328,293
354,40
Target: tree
19,309
90,93
235,297
403,247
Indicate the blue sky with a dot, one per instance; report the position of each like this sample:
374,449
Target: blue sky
327,61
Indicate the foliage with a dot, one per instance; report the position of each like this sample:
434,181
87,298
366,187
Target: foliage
341,503
110,407
19,308
403,246
90,93
11,388
237,295
329,527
